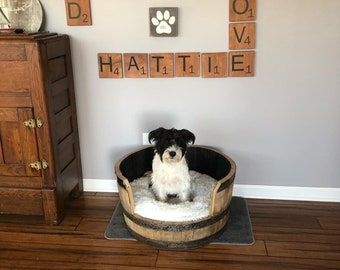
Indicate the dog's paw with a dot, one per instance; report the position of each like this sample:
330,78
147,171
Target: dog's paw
173,199
158,196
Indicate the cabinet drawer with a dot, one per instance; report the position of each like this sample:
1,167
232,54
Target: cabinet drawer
10,52
21,201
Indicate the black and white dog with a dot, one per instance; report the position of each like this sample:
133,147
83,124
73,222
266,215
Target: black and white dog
170,173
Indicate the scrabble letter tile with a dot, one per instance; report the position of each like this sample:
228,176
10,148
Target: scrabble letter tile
242,36
110,65
188,64
135,65
161,65
214,65
241,63
78,12
242,10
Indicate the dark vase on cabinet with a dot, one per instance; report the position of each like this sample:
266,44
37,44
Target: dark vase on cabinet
40,163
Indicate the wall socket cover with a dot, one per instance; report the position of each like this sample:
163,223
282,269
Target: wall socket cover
145,138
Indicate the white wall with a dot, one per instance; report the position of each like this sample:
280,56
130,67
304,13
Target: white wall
282,127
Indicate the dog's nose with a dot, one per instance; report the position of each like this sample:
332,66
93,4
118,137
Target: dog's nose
172,153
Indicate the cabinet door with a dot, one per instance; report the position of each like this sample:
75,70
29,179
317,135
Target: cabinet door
18,144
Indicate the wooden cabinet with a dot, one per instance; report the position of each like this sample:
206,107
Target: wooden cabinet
39,147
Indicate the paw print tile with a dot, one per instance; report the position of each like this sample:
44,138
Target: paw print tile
163,21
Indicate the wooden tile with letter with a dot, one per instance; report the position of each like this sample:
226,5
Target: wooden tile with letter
214,65
242,10
110,65
161,65
78,12
242,36
241,63
188,64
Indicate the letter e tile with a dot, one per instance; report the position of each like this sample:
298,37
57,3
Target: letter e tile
241,63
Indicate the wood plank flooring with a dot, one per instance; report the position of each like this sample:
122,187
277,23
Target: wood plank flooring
289,235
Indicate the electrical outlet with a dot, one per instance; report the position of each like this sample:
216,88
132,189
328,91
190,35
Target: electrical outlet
145,138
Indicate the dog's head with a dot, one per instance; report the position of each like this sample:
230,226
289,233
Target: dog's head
171,144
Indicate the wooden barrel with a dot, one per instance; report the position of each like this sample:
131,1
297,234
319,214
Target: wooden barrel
184,234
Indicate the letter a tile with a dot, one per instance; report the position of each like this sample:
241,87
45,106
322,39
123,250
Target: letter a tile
135,65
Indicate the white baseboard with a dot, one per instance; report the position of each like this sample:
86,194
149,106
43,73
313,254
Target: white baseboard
288,193
247,191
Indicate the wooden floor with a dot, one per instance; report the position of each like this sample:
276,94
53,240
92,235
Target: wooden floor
289,235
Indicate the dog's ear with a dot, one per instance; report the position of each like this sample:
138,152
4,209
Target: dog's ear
188,135
156,134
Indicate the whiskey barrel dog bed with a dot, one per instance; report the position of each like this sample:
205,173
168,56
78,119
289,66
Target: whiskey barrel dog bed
178,234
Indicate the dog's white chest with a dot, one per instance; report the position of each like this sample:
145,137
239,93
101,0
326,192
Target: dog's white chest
170,174
170,178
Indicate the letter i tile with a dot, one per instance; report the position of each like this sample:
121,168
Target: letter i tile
214,65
